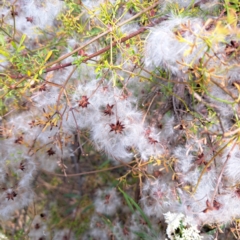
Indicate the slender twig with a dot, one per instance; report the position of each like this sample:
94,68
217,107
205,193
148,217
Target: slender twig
14,21
209,163
61,189
225,89
220,122
145,115
231,133
78,132
161,78
200,99
221,173
63,87
83,173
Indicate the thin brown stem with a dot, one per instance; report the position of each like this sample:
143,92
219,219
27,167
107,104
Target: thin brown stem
209,163
221,173
63,87
83,173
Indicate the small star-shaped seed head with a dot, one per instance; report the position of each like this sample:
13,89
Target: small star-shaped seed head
107,199
215,206
19,140
21,166
11,195
43,87
32,123
152,141
117,128
232,48
37,226
237,192
50,152
108,110
83,102
29,19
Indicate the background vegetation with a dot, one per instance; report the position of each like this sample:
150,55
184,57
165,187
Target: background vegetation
119,119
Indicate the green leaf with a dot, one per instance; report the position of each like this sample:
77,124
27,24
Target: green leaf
40,71
2,41
14,45
48,55
21,48
72,195
22,40
105,163
4,53
127,200
132,203
89,207
94,31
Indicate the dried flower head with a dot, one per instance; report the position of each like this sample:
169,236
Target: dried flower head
19,140
50,152
152,141
83,102
200,159
29,19
108,110
21,166
215,206
117,128
231,48
125,231
11,195
37,226
14,13
42,215
43,87
107,199
32,123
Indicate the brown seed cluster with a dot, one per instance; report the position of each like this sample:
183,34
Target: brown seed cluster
11,195
152,141
107,199
37,226
19,140
43,87
50,152
29,19
237,192
202,161
231,48
14,13
108,110
83,102
215,206
117,128
32,123
22,166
